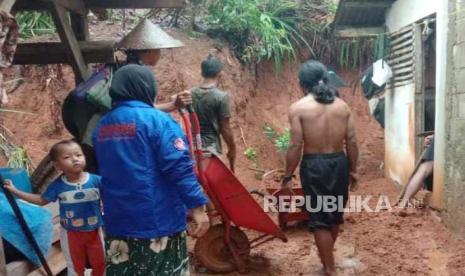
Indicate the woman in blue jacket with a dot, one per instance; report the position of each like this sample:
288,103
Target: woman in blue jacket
148,181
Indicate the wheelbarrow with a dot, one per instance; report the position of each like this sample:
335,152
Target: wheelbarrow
271,181
225,247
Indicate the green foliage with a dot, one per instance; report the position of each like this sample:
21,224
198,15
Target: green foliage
19,159
269,132
251,154
33,23
17,156
259,29
354,53
280,140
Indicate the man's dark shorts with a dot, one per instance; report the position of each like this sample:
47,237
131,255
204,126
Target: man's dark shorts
429,154
325,175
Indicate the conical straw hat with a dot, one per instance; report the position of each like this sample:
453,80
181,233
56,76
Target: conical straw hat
148,36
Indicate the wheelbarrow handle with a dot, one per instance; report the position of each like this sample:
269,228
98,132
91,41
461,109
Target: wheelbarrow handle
190,109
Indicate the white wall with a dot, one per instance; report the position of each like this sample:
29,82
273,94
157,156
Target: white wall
442,57
399,133
405,12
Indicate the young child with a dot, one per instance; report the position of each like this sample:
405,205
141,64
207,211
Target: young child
80,215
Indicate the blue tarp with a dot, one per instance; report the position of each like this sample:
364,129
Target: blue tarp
38,219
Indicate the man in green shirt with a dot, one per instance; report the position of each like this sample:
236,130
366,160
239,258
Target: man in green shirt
212,107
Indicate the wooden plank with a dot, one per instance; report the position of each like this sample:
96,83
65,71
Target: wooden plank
419,89
399,39
80,26
403,70
397,66
351,32
76,6
369,5
403,44
400,59
402,51
399,84
401,31
18,268
2,258
403,77
134,4
72,50
56,262
39,53
6,5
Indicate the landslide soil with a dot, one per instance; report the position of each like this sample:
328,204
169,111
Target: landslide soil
369,244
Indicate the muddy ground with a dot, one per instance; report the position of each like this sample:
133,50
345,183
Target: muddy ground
369,244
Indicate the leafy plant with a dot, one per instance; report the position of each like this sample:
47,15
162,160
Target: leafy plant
259,29
33,23
269,132
280,140
16,156
251,154
19,159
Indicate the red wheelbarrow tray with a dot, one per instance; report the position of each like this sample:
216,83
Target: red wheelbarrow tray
242,209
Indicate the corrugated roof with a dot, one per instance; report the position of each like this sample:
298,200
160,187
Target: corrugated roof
362,13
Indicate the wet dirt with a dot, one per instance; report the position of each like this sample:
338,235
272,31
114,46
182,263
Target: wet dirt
370,243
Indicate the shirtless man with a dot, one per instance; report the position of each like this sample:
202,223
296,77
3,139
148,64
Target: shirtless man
321,124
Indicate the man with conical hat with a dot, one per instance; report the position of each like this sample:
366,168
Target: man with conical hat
142,46
144,43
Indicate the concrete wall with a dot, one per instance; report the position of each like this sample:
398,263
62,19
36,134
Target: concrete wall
443,58
400,102
405,12
454,142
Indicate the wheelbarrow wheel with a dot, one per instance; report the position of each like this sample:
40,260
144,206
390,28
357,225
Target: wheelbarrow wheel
212,252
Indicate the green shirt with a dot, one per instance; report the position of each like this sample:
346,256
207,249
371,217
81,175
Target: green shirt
211,105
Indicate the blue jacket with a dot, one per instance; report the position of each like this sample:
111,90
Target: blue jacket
148,182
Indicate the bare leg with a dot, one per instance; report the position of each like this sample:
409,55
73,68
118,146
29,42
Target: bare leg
325,244
334,233
417,180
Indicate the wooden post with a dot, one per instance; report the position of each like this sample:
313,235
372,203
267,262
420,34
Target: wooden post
80,26
70,42
2,258
419,89
6,5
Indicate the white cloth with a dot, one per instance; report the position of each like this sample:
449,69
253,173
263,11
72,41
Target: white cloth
381,72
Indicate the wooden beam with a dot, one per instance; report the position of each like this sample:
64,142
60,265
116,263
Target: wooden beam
368,4
419,96
6,5
39,53
134,4
351,32
56,261
70,43
80,26
2,258
76,6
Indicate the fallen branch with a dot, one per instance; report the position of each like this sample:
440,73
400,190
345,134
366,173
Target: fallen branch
242,137
257,169
16,111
